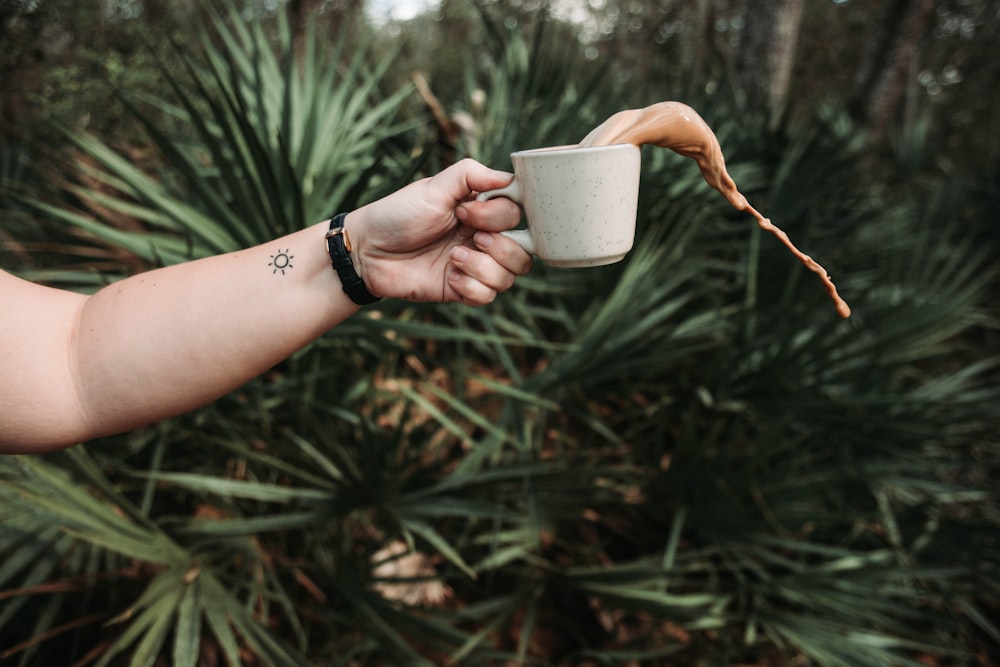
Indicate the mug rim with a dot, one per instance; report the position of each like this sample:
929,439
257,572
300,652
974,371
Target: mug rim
571,149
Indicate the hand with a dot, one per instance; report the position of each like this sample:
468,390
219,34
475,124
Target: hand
431,241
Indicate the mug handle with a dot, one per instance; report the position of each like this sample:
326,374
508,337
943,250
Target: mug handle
512,192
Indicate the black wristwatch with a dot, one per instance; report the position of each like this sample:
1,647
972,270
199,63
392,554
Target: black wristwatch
339,246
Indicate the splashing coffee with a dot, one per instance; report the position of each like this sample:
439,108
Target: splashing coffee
678,127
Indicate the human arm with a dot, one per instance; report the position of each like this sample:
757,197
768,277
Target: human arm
163,342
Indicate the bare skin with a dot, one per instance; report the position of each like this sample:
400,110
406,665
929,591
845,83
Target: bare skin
158,344
678,127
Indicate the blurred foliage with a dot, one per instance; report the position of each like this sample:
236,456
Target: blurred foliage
685,458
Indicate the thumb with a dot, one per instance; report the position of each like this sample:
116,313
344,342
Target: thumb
468,175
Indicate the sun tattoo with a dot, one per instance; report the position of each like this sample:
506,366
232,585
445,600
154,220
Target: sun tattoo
281,261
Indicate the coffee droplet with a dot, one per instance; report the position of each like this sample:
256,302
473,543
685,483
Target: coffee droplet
678,127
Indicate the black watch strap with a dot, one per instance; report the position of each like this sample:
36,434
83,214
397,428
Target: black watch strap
339,246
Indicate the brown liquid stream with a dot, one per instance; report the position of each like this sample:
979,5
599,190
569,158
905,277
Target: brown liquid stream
678,127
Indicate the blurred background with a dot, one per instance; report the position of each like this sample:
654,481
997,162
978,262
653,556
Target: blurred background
686,458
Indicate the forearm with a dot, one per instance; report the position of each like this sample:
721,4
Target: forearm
166,341
163,342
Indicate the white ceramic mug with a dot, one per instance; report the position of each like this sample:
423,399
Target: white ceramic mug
580,203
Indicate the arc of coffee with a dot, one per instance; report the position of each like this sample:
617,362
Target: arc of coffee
680,128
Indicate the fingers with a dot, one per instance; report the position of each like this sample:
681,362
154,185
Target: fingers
461,181
469,290
494,215
504,251
479,275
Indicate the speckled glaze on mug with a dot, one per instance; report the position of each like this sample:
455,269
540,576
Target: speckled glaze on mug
580,203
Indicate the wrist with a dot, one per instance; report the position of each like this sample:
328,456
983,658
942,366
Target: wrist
356,224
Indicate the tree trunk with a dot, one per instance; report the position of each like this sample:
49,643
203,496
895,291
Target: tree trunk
154,11
705,31
882,79
334,12
881,44
767,53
